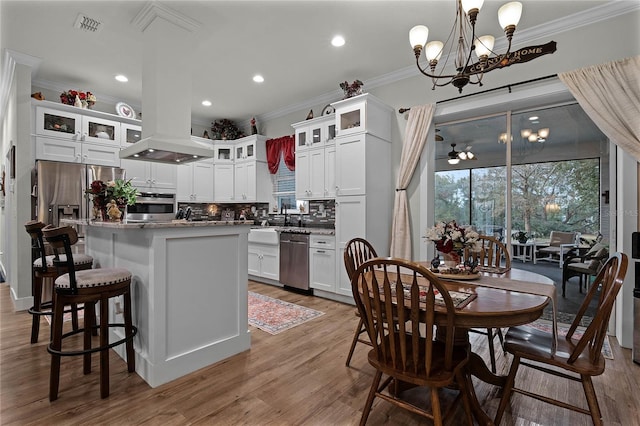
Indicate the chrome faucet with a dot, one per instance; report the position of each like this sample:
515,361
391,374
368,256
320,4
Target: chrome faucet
283,210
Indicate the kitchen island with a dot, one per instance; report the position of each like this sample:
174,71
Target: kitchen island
189,290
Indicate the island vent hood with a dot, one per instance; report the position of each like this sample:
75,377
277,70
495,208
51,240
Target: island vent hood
167,41
166,150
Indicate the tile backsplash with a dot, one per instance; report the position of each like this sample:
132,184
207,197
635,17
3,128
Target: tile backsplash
322,213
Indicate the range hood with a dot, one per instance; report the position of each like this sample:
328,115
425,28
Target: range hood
167,44
166,150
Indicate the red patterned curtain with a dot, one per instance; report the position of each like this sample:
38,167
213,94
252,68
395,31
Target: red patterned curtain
284,145
288,152
273,155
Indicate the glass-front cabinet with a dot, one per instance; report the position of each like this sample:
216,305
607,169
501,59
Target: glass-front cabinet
315,132
129,133
58,124
101,131
363,113
223,152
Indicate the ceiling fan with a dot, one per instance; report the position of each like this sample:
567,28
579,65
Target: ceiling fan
454,157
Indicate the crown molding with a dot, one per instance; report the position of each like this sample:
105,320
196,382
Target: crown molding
153,10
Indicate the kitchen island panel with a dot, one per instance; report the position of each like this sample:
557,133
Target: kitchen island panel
189,292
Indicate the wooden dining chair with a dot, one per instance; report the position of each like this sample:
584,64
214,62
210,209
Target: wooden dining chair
356,252
577,354
490,255
406,349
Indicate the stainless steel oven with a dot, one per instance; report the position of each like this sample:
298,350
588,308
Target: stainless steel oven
153,207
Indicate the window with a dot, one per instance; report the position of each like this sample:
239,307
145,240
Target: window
284,190
557,171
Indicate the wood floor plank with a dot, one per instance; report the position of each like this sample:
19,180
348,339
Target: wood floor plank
297,377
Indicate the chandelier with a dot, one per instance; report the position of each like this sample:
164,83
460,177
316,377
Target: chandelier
464,41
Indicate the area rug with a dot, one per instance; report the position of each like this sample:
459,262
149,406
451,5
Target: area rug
563,329
275,316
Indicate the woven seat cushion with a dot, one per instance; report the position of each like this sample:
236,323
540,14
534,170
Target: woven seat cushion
95,277
78,259
584,268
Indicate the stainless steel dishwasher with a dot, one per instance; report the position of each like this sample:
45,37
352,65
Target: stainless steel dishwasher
294,260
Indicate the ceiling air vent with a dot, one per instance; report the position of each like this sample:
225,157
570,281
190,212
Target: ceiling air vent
85,23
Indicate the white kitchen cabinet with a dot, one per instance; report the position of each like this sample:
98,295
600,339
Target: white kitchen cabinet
76,126
322,262
151,177
195,182
315,132
351,214
223,152
223,188
129,133
264,261
315,157
246,177
71,151
363,113
264,254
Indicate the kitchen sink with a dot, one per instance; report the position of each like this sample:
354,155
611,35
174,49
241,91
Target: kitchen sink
264,236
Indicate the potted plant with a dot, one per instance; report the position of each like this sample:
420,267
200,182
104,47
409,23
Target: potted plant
520,236
110,199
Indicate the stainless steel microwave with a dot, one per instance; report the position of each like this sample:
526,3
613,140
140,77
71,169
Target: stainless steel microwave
152,207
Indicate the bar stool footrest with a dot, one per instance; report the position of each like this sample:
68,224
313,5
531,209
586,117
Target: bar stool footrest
97,348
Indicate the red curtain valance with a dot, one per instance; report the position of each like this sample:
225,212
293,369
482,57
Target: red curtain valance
284,145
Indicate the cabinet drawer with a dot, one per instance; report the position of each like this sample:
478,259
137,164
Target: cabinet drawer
322,241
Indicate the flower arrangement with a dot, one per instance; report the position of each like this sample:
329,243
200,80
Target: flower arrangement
69,97
449,237
352,89
111,196
225,129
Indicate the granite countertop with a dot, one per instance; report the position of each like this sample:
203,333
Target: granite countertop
300,229
150,225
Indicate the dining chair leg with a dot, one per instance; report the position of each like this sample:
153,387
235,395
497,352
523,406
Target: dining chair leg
435,407
464,390
592,400
506,390
492,352
356,337
501,339
372,394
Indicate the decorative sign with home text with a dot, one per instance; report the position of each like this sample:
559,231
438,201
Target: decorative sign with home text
519,56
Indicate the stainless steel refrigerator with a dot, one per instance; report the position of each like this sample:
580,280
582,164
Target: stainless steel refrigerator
61,189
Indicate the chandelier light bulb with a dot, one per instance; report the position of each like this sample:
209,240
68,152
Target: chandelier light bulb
433,50
525,133
462,155
468,5
509,14
470,155
533,137
453,160
544,133
484,45
418,36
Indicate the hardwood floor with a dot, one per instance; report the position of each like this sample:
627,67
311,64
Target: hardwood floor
296,377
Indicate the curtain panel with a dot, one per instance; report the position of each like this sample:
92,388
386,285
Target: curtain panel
276,147
420,118
610,95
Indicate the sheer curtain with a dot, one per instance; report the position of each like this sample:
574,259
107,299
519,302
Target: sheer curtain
610,95
415,137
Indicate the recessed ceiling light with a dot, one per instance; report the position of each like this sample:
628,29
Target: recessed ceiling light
206,103
337,41
533,117
122,78
258,78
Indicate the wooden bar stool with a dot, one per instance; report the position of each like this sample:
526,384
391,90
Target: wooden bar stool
88,287
45,273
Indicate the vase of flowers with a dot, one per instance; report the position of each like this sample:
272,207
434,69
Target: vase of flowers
451,240
111,199
78,98
351,90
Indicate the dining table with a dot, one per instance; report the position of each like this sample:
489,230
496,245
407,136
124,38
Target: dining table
498,297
